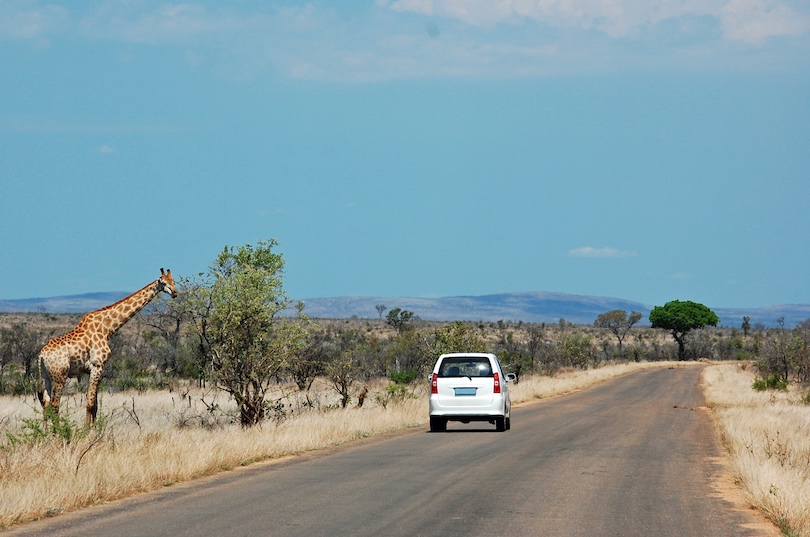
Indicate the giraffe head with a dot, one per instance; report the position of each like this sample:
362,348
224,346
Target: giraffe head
166,283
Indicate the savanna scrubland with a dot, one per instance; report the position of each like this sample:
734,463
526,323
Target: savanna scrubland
164,417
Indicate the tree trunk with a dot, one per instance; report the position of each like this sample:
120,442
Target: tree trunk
681,351
251,413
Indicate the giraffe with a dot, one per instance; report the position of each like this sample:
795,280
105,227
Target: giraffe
86,349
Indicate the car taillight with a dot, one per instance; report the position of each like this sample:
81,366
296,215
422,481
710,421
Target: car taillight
497,383
434,384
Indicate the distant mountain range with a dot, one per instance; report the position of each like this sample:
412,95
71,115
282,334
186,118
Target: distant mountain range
62,304
532,306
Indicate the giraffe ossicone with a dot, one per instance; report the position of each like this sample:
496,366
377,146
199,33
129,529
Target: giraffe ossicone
85,349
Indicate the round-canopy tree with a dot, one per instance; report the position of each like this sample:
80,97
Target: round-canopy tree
680,317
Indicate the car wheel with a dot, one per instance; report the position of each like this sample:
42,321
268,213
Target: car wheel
500,424
438,425
508,423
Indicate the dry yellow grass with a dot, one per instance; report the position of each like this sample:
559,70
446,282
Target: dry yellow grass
766,435
156,439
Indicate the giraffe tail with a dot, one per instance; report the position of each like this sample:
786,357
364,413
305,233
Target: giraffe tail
41,383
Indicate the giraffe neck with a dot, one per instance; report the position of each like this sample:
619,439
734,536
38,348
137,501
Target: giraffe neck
114,316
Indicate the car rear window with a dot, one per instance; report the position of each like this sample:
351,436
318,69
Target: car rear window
465,367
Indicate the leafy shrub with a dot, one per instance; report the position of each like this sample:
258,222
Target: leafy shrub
774,381
394,393
406,376
55,427
575,350
14,381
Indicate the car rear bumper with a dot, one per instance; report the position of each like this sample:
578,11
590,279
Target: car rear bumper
469,413
469,417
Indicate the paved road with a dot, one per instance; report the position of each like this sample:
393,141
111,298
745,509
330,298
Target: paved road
629,457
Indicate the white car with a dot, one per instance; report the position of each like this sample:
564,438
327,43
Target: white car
467,387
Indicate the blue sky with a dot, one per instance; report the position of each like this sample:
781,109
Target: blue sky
643,149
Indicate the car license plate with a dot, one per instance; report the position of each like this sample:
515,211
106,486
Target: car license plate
465,391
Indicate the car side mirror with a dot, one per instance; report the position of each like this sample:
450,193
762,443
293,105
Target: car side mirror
511,377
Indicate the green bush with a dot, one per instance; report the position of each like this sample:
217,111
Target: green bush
138,383
394,393
55,427
774,381
14,381
403,377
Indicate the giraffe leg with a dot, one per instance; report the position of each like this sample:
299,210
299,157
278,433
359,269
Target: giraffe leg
51,399
92,394
46,385
52,385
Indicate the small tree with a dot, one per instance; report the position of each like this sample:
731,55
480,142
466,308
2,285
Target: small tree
575,350
310,361
617,322
380,309
746,325
399,319
800,351
20,344
511,351
681,317
166,319
344,369
408,352
785,356
456,337
234,311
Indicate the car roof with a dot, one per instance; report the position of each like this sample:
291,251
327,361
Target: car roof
471,354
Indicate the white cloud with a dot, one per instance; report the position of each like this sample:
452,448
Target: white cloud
605,252
742,20
26,21
754,21
163,24
391,39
